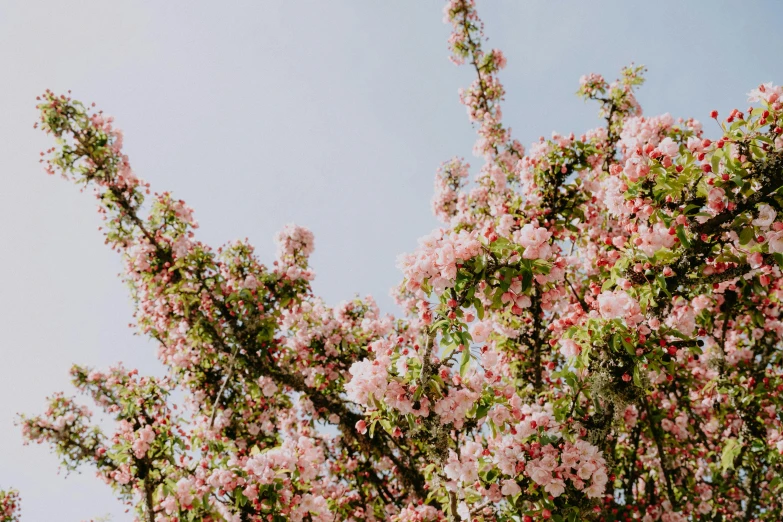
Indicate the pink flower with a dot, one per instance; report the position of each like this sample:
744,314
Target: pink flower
183,491
435,261
370,378
569,348
455,406
636,168
766,216
510,488
250,282
614,197
668,147
653,238
142,443
251,492
775,242
630,415
756,259
535,241
293,243
314,505
695,144
448,182
715,199
767,92
539,475
682,319
617,304
169,505
499,58
480,331
555,487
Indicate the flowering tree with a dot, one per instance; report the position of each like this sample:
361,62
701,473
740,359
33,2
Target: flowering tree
593,334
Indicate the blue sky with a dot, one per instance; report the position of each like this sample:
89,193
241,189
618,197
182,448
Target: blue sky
333,115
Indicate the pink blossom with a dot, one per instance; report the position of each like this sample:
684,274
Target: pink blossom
169,505
775,242
655,237
480,331
617,304
535,241
766,216
510,488
715,199
370,378
683,319
668,147
569,348
767,92
293,242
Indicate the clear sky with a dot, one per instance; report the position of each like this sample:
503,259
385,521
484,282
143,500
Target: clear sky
334,115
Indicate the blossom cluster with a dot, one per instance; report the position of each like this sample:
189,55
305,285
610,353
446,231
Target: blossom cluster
9,506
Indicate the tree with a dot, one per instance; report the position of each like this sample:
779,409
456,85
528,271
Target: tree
593,334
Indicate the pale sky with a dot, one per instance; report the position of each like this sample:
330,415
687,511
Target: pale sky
334,115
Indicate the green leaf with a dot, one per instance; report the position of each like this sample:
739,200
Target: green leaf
499,244
482,410
480,264
463,365
683,238
628,346
527,279
715,162
479,308
665,255
730,452
662,283
449,350
439,324
746,235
